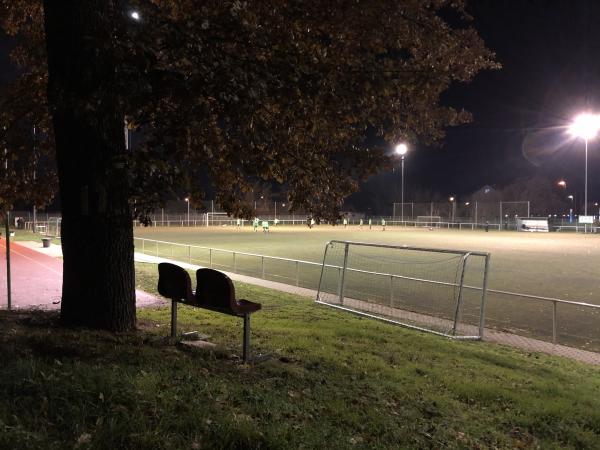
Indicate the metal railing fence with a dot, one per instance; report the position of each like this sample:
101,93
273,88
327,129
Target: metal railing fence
285,270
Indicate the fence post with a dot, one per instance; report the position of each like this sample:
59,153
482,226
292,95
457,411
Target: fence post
157,249
190,254
210,257
297,273
391,291
234,266
500,220
262,263
554,322
143,245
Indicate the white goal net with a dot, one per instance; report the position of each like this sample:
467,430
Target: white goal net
441,291
218,218
429,221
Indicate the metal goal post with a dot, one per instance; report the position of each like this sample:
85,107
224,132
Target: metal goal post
433,290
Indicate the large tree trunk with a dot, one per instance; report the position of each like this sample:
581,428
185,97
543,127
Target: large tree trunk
97,236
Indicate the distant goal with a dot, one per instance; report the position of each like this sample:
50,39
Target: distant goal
429,221
439,291
217,218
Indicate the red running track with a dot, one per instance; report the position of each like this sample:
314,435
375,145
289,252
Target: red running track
37,279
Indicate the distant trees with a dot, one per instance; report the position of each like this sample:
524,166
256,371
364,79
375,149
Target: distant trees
541,192
224,93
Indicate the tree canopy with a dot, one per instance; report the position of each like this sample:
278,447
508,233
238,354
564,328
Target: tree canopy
227,92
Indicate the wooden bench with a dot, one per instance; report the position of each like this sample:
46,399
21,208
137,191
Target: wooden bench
214,291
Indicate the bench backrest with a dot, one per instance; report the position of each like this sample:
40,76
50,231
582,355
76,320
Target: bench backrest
214,289
174,283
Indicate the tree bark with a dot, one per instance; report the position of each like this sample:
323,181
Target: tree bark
97,235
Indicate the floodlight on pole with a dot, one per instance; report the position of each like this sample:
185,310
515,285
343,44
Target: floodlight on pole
187,200
135,15
562,184
401,150
452,200
585,126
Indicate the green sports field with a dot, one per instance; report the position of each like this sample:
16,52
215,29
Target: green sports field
556,265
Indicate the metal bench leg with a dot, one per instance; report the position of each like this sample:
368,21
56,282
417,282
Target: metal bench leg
246,349
173,319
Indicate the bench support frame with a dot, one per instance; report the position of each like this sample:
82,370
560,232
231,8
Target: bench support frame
246,342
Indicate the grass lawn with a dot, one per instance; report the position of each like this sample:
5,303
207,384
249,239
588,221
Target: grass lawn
559,265
335,381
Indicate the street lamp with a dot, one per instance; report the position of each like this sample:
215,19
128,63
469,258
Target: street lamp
585,126
135,15
562,184
452,200
401,150
187,200
572,208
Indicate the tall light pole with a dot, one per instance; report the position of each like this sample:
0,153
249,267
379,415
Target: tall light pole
585,126
453,202
572,208
562,184
401,150
187,200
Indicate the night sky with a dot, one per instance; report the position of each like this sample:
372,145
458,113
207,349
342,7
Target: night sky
550,52
550,55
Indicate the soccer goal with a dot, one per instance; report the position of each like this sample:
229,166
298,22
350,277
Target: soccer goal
217,218
429,221
439,291
54,226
